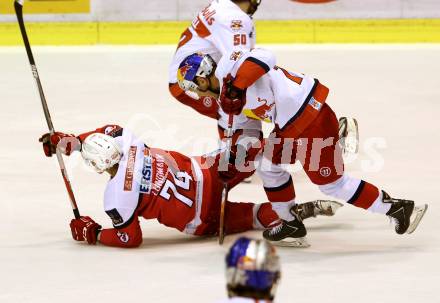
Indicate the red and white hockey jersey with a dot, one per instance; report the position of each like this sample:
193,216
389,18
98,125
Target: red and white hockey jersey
273,94
216,31
152,183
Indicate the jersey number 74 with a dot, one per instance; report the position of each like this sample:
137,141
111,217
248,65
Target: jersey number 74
182,181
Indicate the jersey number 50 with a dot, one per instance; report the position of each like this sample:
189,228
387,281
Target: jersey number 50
181,180
240,39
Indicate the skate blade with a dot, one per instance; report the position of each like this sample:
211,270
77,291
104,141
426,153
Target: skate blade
327,207
333,207
292,242
350,132
418,213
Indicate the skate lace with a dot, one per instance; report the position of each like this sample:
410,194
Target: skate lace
276,229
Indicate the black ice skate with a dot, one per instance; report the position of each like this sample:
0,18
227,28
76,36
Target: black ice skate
316,208
287,233
404,214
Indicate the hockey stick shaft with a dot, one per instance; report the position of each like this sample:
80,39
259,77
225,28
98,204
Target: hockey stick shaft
229,133
18,5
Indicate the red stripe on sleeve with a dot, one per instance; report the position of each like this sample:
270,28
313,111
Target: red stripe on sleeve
249,72
208,107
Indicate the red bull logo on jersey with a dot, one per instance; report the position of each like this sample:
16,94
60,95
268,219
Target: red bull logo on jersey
263,111
236,55
236,25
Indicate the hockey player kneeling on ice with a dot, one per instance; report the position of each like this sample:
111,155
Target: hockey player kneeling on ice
252,271
305,129
179,191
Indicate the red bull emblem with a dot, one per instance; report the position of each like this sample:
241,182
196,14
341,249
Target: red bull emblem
236,25
184,69
263,111
246,263
236,55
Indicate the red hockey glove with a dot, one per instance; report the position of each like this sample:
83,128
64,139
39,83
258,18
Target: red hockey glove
228,174
85,229
66,143
232,99
241,163
227,171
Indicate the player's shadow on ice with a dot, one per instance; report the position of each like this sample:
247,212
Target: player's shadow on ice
180,240
183,240
326,252
330,227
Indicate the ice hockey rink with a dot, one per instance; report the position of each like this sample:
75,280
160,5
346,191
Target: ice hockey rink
393,91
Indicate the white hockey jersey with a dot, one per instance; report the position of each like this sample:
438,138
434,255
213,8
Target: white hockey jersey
119,204
279,96
217,30
156,183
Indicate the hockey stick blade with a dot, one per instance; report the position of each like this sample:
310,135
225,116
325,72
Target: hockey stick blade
221,230
417,216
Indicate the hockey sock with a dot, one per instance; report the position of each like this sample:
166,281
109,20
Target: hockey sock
358,193
283,209
264,216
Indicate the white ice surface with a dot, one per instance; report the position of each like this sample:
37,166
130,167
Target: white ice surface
394,91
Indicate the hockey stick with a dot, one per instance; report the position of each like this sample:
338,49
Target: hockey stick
229,131
18,5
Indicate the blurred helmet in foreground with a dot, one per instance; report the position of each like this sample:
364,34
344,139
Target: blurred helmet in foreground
195,65
252,269
101,152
